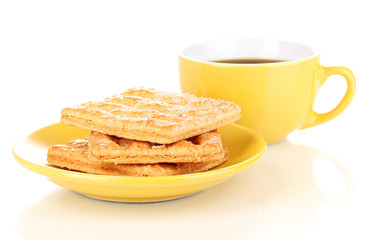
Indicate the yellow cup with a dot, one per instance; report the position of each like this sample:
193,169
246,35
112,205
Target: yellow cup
275,98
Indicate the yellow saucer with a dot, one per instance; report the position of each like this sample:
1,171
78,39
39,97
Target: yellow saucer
245,147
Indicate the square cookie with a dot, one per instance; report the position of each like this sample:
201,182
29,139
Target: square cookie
151,115
74,156
204,147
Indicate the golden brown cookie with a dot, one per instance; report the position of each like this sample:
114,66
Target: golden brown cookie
151,115
201,148
74,156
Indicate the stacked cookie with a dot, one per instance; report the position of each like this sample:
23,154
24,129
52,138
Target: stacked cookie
146,132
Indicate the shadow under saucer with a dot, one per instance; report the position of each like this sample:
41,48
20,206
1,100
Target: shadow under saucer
279,196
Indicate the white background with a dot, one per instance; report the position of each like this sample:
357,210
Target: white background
319,184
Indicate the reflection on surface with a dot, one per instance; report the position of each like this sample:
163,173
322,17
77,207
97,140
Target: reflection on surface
278,196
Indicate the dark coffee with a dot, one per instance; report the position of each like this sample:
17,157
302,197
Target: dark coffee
248,61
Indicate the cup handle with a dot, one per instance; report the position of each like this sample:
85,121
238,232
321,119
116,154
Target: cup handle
313,118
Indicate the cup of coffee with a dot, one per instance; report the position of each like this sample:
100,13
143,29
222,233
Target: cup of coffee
274,82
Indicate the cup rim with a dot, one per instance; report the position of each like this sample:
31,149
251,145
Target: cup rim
285,62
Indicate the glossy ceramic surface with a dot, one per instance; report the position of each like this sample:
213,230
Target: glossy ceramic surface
275,98
245,147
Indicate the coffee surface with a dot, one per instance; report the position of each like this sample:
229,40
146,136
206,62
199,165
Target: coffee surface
248,61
